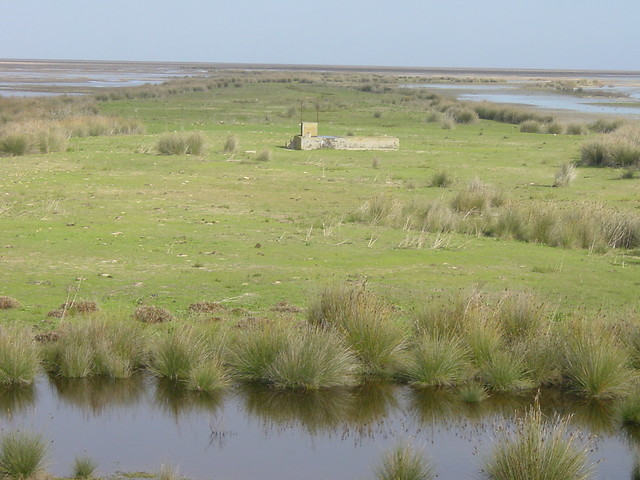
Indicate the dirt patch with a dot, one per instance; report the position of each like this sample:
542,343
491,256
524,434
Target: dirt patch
206,307
152,314
285,307
7,303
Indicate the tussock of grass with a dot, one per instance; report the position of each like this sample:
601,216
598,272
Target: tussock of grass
476,197
618,149
19,356
565,174
438,361
22,455
314,358
367,323
598,367
181,144
104,347
441,179
255,350
84,467
539,449
231,145
404,463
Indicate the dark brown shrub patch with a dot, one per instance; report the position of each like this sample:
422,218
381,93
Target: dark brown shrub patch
8,302
206,307
152,314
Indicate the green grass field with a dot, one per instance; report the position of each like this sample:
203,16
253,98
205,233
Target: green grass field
111,220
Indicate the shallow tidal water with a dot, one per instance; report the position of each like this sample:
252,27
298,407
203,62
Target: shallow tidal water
248,433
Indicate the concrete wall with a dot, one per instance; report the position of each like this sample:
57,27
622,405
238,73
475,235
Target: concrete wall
309,129
345,143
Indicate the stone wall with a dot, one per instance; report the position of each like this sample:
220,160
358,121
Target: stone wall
345,143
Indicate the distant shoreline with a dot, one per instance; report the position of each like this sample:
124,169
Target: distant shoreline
397,70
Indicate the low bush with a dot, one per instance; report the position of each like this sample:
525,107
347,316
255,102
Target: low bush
531,126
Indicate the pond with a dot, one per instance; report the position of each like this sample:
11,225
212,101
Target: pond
518,94
247,433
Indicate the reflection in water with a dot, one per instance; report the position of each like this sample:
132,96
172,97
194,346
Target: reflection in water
14,400
96,395
174,399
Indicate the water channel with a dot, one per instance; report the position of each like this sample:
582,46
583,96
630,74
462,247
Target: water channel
247,433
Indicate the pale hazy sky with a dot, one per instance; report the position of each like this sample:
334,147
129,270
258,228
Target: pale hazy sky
562,34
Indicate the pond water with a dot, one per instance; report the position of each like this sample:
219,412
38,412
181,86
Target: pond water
248,433
518,94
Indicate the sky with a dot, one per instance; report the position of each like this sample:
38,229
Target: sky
543,34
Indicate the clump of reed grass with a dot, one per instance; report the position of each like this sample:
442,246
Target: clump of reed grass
597,367
554,128
565,174
19,356
521,315
181,144
254,351
473,392
7,303
441,179
191,357
367,323
404,463
22,455
100,346
513,115
618,149
15,144
574,129
605,126
629,410
231,144
84,467
503,372
152,314
381,207
314,359
539,449
438,360
168,472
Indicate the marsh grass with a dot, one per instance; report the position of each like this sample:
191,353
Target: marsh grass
621,148
152,314
539,449
19,356
531,126
404,462
22,455
255,350
473,392
628,410
84,467
264,156
367,323
503,372
476,197
181,144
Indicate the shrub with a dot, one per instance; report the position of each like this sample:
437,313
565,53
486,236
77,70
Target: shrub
531,126
605,126
404,463
231,145
441,179
14,144
565,174
476,197
7,303
19,356
152,314
539,449
264,156
181,144
554,128
574,129
22,455
84,467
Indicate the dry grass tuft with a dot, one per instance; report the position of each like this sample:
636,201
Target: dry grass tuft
7,303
